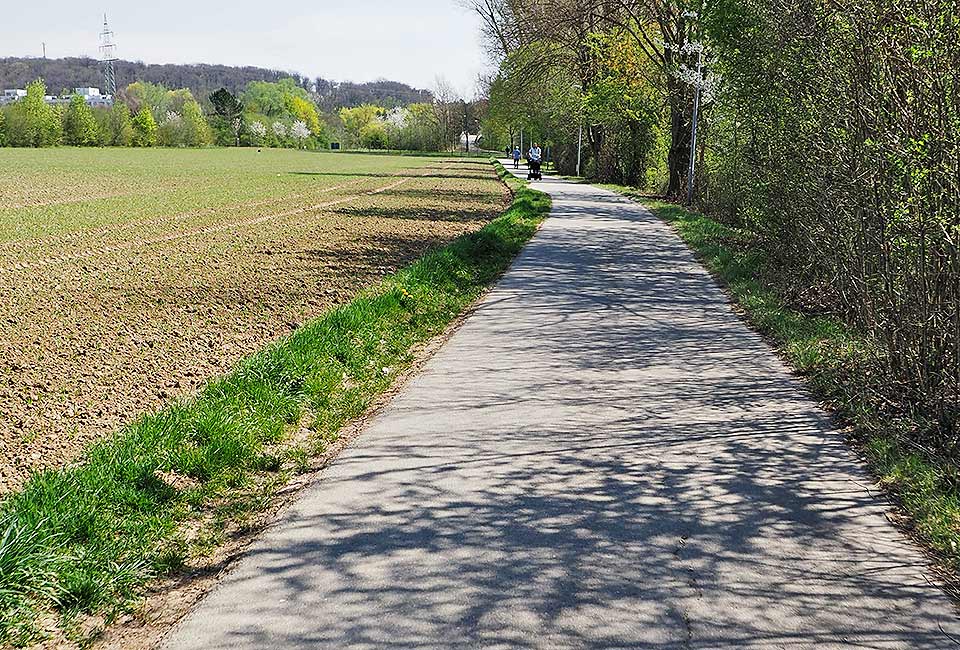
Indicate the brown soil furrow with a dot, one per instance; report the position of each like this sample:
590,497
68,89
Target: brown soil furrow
208,230
88,346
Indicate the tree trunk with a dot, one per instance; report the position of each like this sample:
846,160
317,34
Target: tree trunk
678,159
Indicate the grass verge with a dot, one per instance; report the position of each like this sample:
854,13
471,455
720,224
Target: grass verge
85,540
836,361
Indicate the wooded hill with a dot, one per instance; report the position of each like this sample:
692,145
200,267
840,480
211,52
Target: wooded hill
202,79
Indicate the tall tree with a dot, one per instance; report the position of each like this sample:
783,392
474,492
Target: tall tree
196,133
228,113
153,96
80,127
448,106
43,121
547,43
305,111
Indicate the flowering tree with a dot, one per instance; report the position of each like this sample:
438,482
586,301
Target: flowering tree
300,132
280,130
397,117
257,130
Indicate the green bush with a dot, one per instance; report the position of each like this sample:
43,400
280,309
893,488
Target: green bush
80,127
144,129
374,135
17,129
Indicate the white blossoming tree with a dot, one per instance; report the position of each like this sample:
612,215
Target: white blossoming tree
299,132
280,130
257,130
397,118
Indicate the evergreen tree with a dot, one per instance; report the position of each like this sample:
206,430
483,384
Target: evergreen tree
228,119
144,129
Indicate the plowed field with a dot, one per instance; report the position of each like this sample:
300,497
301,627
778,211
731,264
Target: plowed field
129,277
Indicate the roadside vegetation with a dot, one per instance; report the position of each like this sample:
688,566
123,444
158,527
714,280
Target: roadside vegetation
85,540
828,144
837,362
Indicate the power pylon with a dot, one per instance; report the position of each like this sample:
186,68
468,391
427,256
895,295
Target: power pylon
108,54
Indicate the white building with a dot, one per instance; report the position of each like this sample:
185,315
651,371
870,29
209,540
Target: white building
91,96
11,95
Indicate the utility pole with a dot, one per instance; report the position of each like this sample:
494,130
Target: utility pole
693,134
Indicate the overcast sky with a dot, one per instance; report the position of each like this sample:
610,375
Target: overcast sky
412,41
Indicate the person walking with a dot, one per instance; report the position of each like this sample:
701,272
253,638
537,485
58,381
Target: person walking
535,160
516,157
535,154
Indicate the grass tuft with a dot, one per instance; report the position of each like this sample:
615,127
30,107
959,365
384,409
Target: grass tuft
86,539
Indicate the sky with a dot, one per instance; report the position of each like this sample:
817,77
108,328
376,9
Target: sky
413,41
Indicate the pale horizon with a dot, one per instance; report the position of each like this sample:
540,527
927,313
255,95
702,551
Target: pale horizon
413,42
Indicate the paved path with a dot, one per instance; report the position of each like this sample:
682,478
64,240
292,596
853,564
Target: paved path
604,456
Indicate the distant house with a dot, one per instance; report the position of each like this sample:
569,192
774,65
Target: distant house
11,95
91,96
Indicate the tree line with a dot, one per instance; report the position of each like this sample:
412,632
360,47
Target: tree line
271,114
828,132
203,79
146,115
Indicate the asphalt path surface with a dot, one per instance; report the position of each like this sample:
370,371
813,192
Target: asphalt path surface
603,456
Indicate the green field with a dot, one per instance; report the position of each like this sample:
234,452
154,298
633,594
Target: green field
128,276
67,190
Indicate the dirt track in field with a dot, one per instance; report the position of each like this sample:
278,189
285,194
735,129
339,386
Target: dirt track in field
101,326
